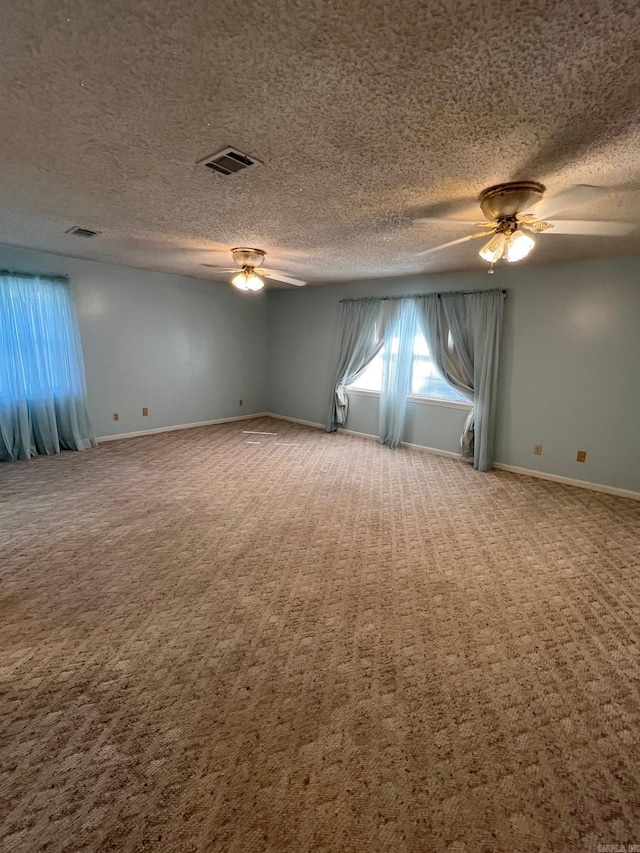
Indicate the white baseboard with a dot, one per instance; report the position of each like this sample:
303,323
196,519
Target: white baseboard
369,436
359,434
448,453
527,472
433,450
569,481
293,420
138,433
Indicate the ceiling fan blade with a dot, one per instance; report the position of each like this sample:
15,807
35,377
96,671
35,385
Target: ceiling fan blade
590,228
221,269
454,242
549,207
274,272
467,223
278,276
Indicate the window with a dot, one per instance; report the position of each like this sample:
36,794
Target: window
39,352
426,381
42,399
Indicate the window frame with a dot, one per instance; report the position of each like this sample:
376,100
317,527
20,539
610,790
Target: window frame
422,399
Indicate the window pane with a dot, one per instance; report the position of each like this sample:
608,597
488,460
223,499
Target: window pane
371,377
426,382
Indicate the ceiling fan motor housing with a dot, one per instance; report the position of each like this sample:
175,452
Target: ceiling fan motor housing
245,257
506,200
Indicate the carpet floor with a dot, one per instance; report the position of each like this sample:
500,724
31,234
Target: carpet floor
219,640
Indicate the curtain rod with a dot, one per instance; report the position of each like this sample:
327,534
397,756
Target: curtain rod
35,275
416,295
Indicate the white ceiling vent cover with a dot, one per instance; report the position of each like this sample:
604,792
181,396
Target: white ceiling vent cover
229,161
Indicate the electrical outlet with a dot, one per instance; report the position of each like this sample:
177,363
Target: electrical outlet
145,412
239,402
116,416
582,456
537,449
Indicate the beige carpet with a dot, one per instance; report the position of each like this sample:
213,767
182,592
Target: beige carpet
220,641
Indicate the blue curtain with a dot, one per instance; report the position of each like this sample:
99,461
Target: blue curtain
364,323
42,385
463,331
484,319
396,372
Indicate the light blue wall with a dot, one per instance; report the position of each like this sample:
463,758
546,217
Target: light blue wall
189,350
186,349
569,370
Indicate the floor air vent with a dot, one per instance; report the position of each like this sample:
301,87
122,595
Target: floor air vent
81,232
229,161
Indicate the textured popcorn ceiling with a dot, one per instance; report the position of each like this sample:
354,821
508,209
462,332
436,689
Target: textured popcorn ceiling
365,114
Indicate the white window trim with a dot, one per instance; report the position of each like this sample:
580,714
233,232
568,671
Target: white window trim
415,398
434,401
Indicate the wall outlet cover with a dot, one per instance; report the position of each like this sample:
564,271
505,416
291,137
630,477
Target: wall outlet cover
145,412
582,456
116,416
537,449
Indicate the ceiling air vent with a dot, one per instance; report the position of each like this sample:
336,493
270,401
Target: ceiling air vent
81,232
229,161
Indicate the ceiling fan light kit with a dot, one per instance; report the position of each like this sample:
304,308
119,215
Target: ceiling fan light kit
513,245
247,280
519,246
494,249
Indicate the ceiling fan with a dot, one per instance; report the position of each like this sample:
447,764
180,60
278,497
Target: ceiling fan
251,274
506,208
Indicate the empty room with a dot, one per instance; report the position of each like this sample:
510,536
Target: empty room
319,426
